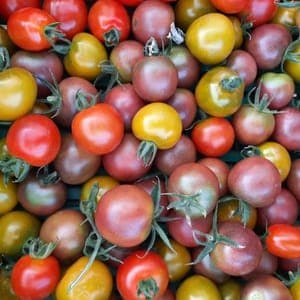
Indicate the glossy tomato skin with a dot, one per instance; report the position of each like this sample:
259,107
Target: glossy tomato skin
229,7
105,16
140,266
159,123
34,138
18,93
98,129
8,196
26,28
199,41
96,284
35,277
7,7
255,180
213,136
15,228
283,240
197,287
293,179
85,56
124,215
71,14
213,94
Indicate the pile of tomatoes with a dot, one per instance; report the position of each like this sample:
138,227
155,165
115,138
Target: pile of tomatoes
149,149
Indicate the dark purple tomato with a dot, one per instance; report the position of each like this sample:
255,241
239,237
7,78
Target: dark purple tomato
252,126
123,163
124,56
152,18
155,78
284,210
73,90
68,230
125,99
73,164
268,264
184,151
220,168
255,180
267,45
187,65
287,128
242,257
40,197
293,179
44,64
267,287
280,88
288,264
194,189
207,268
244,64
185,231
184,102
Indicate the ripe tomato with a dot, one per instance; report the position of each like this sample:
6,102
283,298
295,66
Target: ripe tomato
124,215
94,285
98,129
109,21
7,7
283,240
85,55
35,278
34,138
143,275
220,91
26,28
278,155
71,15
197,287
18,93
229,7
213,136
211,38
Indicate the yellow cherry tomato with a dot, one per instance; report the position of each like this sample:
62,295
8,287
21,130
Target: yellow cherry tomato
8,196
159,123
211,38
239,35
292,66
6,291
230,289
295,289
186,11
285,16
278,155
5,40
85,56
220,91
95,284
197,287
18,93
178,261
104,182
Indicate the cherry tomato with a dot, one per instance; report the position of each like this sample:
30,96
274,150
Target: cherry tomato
292,66
229,7
197,287
18,93
35,278
278,155
285,16
211,38
34,138
96,283
5,40
85,55
213,136
231,289
26,28
142,275
8,196
71,15
15,228
109,21
283,240
220,91
6,291
98,129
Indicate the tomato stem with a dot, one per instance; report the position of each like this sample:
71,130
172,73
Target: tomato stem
4,58
147,289
287,3
250,150
290,53
151,47
37,248
147,151
12,167
112,37
230,84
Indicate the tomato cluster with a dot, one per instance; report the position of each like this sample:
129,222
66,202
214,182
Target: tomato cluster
149,149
